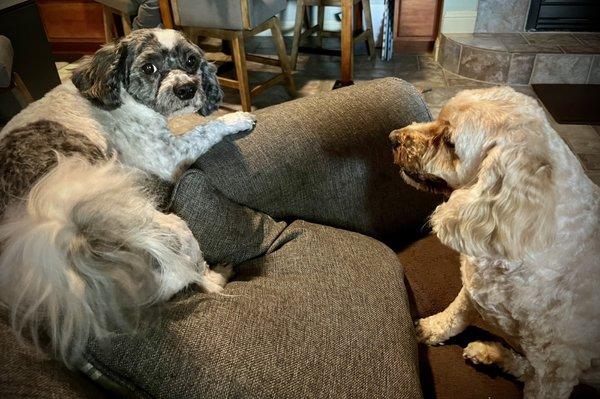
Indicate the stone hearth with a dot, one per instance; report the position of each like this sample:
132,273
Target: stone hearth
522,57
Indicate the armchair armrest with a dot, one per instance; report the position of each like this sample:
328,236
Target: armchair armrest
327,159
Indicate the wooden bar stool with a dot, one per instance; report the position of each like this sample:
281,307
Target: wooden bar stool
124,9
351,30
235,21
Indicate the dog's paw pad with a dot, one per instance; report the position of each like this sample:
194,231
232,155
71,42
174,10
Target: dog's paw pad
482,353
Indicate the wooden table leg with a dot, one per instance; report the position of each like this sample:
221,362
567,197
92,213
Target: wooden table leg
347,67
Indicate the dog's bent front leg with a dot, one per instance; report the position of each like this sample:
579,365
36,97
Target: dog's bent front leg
203,137
453,320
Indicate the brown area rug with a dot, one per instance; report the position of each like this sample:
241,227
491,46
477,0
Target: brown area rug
571,104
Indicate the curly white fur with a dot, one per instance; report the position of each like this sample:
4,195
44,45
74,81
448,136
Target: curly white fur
87,248
526,220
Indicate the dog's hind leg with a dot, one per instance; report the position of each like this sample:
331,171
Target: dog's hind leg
444,325
215,279
185,265
488,353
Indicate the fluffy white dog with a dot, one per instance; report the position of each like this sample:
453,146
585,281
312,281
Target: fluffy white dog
526,220
83,246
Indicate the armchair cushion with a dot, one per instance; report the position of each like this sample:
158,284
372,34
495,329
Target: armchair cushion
227,232
328,159
323,314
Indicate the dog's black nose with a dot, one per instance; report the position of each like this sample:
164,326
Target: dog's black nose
185,91
395,138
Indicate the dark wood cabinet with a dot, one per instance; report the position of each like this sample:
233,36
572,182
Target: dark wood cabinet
73,27
416,25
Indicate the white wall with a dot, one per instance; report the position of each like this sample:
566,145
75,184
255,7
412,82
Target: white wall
458,16
288,18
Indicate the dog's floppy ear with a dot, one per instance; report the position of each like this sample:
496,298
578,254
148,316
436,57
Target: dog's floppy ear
98,79
507,212
210,86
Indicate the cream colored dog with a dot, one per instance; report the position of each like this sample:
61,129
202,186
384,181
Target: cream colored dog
526,220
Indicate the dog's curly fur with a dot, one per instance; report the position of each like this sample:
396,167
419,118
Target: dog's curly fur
526,220
83,246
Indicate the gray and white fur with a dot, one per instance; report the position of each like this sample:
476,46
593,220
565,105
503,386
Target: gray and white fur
83,247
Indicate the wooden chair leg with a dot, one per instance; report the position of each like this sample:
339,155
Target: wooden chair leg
321,22
277,37
347,67
20,91
369,20
107,18
307,17
297,32
126,24
241,70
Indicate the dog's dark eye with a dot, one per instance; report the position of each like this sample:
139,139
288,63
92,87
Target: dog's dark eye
148,69
192,61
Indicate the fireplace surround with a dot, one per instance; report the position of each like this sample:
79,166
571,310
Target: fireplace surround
564,15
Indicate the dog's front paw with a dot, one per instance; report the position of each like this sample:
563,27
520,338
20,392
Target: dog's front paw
238,121
430,331
483,352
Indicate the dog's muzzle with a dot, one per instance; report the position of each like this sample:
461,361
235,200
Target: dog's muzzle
407,155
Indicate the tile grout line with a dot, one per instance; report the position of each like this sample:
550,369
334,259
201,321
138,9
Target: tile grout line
589,73
535,61
579,40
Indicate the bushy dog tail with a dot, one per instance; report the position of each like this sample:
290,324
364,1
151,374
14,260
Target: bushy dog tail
79,256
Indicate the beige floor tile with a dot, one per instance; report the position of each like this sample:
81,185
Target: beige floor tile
583,139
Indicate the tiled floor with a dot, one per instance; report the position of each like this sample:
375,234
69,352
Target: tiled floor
317,74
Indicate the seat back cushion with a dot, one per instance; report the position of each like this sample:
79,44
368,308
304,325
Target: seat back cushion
323,314
223,14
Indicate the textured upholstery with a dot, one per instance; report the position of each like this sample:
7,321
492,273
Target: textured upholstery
327,159
228,232
26,374
6,61
224,14
323,314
